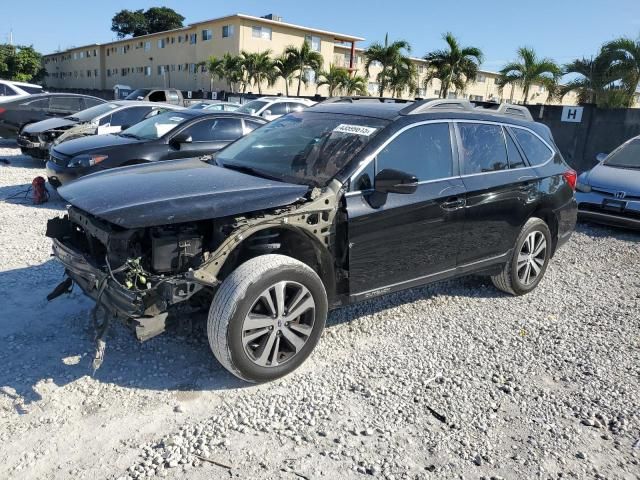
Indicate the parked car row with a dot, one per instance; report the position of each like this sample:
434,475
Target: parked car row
10,90
330,205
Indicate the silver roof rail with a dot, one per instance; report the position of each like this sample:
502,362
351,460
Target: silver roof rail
515,111
439,103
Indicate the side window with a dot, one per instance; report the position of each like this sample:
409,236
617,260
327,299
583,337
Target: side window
201,131
278,108
129,116
91,102
227,129
536,151
296,107
364,180
515,158
250,125
66,104
483,148
423,151
158,96
42,103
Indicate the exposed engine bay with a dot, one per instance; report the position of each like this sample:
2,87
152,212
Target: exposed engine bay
140,274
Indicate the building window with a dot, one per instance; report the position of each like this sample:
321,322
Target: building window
161,43
193,68
437,93
173,67
95,52
373,87
422,92
147,71
88,73
481,78
193,38
310,75
75,55
207,35
160,69
179,38
261,32
147,46
476,98
314,42
421,69
227,31
203,68
173,40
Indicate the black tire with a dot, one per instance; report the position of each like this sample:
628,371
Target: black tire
239,294
509,280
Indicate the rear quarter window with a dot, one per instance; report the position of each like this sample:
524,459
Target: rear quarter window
535,149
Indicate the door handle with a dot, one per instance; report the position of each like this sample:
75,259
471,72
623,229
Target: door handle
453,203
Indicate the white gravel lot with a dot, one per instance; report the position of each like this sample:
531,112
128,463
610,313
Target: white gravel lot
455,380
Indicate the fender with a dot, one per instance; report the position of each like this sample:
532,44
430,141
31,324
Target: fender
315,218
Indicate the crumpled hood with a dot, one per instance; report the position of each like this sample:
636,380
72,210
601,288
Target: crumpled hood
175,191
94,143
616,179
48,124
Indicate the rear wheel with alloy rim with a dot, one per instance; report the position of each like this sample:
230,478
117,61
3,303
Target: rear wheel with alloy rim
529,260
266,317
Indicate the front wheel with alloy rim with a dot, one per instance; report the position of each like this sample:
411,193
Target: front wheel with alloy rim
266,317
529,260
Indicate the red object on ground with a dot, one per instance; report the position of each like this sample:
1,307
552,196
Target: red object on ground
39,192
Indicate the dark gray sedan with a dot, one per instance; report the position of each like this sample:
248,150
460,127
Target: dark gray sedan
609,193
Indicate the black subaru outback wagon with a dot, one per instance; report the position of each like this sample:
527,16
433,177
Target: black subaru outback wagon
341,202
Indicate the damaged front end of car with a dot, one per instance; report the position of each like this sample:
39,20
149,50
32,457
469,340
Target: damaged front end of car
134,274
140,275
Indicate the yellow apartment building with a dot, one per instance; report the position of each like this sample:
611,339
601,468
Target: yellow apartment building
173,59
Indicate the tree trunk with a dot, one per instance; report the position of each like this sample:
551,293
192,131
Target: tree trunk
300,77
526,94
286,86
513,87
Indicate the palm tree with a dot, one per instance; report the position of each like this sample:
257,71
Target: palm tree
594,76
259,68
389,56
625,53
402,77
305,58
529,70
286,66
355,85
453,66
334,79
228,68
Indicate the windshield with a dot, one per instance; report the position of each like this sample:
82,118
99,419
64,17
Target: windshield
302,147
93,112
138,94
627,156
30,89
154,127
254,105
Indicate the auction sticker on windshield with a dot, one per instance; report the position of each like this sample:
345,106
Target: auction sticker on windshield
354,129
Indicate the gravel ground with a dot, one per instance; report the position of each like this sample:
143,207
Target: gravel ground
455,380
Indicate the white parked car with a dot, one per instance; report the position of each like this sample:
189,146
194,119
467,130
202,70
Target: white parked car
10,90
271,108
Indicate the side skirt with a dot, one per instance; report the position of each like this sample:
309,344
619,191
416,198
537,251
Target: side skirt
458,271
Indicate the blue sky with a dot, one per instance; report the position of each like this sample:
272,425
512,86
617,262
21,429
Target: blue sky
560,29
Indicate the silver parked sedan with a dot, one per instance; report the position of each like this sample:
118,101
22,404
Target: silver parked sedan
609,193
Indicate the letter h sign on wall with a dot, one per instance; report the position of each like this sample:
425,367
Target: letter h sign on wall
571,114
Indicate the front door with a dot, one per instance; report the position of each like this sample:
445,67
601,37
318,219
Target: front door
399,239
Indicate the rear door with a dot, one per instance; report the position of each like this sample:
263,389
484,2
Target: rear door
207,136
402,239
501,190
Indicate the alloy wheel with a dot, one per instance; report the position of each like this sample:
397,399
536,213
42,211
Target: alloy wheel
278,324
532,256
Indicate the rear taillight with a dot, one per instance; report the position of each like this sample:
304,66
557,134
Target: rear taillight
2,110
571,176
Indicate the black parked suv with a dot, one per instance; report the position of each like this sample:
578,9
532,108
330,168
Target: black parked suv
335,204
15,114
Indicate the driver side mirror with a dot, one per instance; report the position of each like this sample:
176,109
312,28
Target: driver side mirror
266,113
180,139
395,181
600,157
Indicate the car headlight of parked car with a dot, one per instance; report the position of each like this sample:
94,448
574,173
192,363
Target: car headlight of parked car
583,187
86,160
